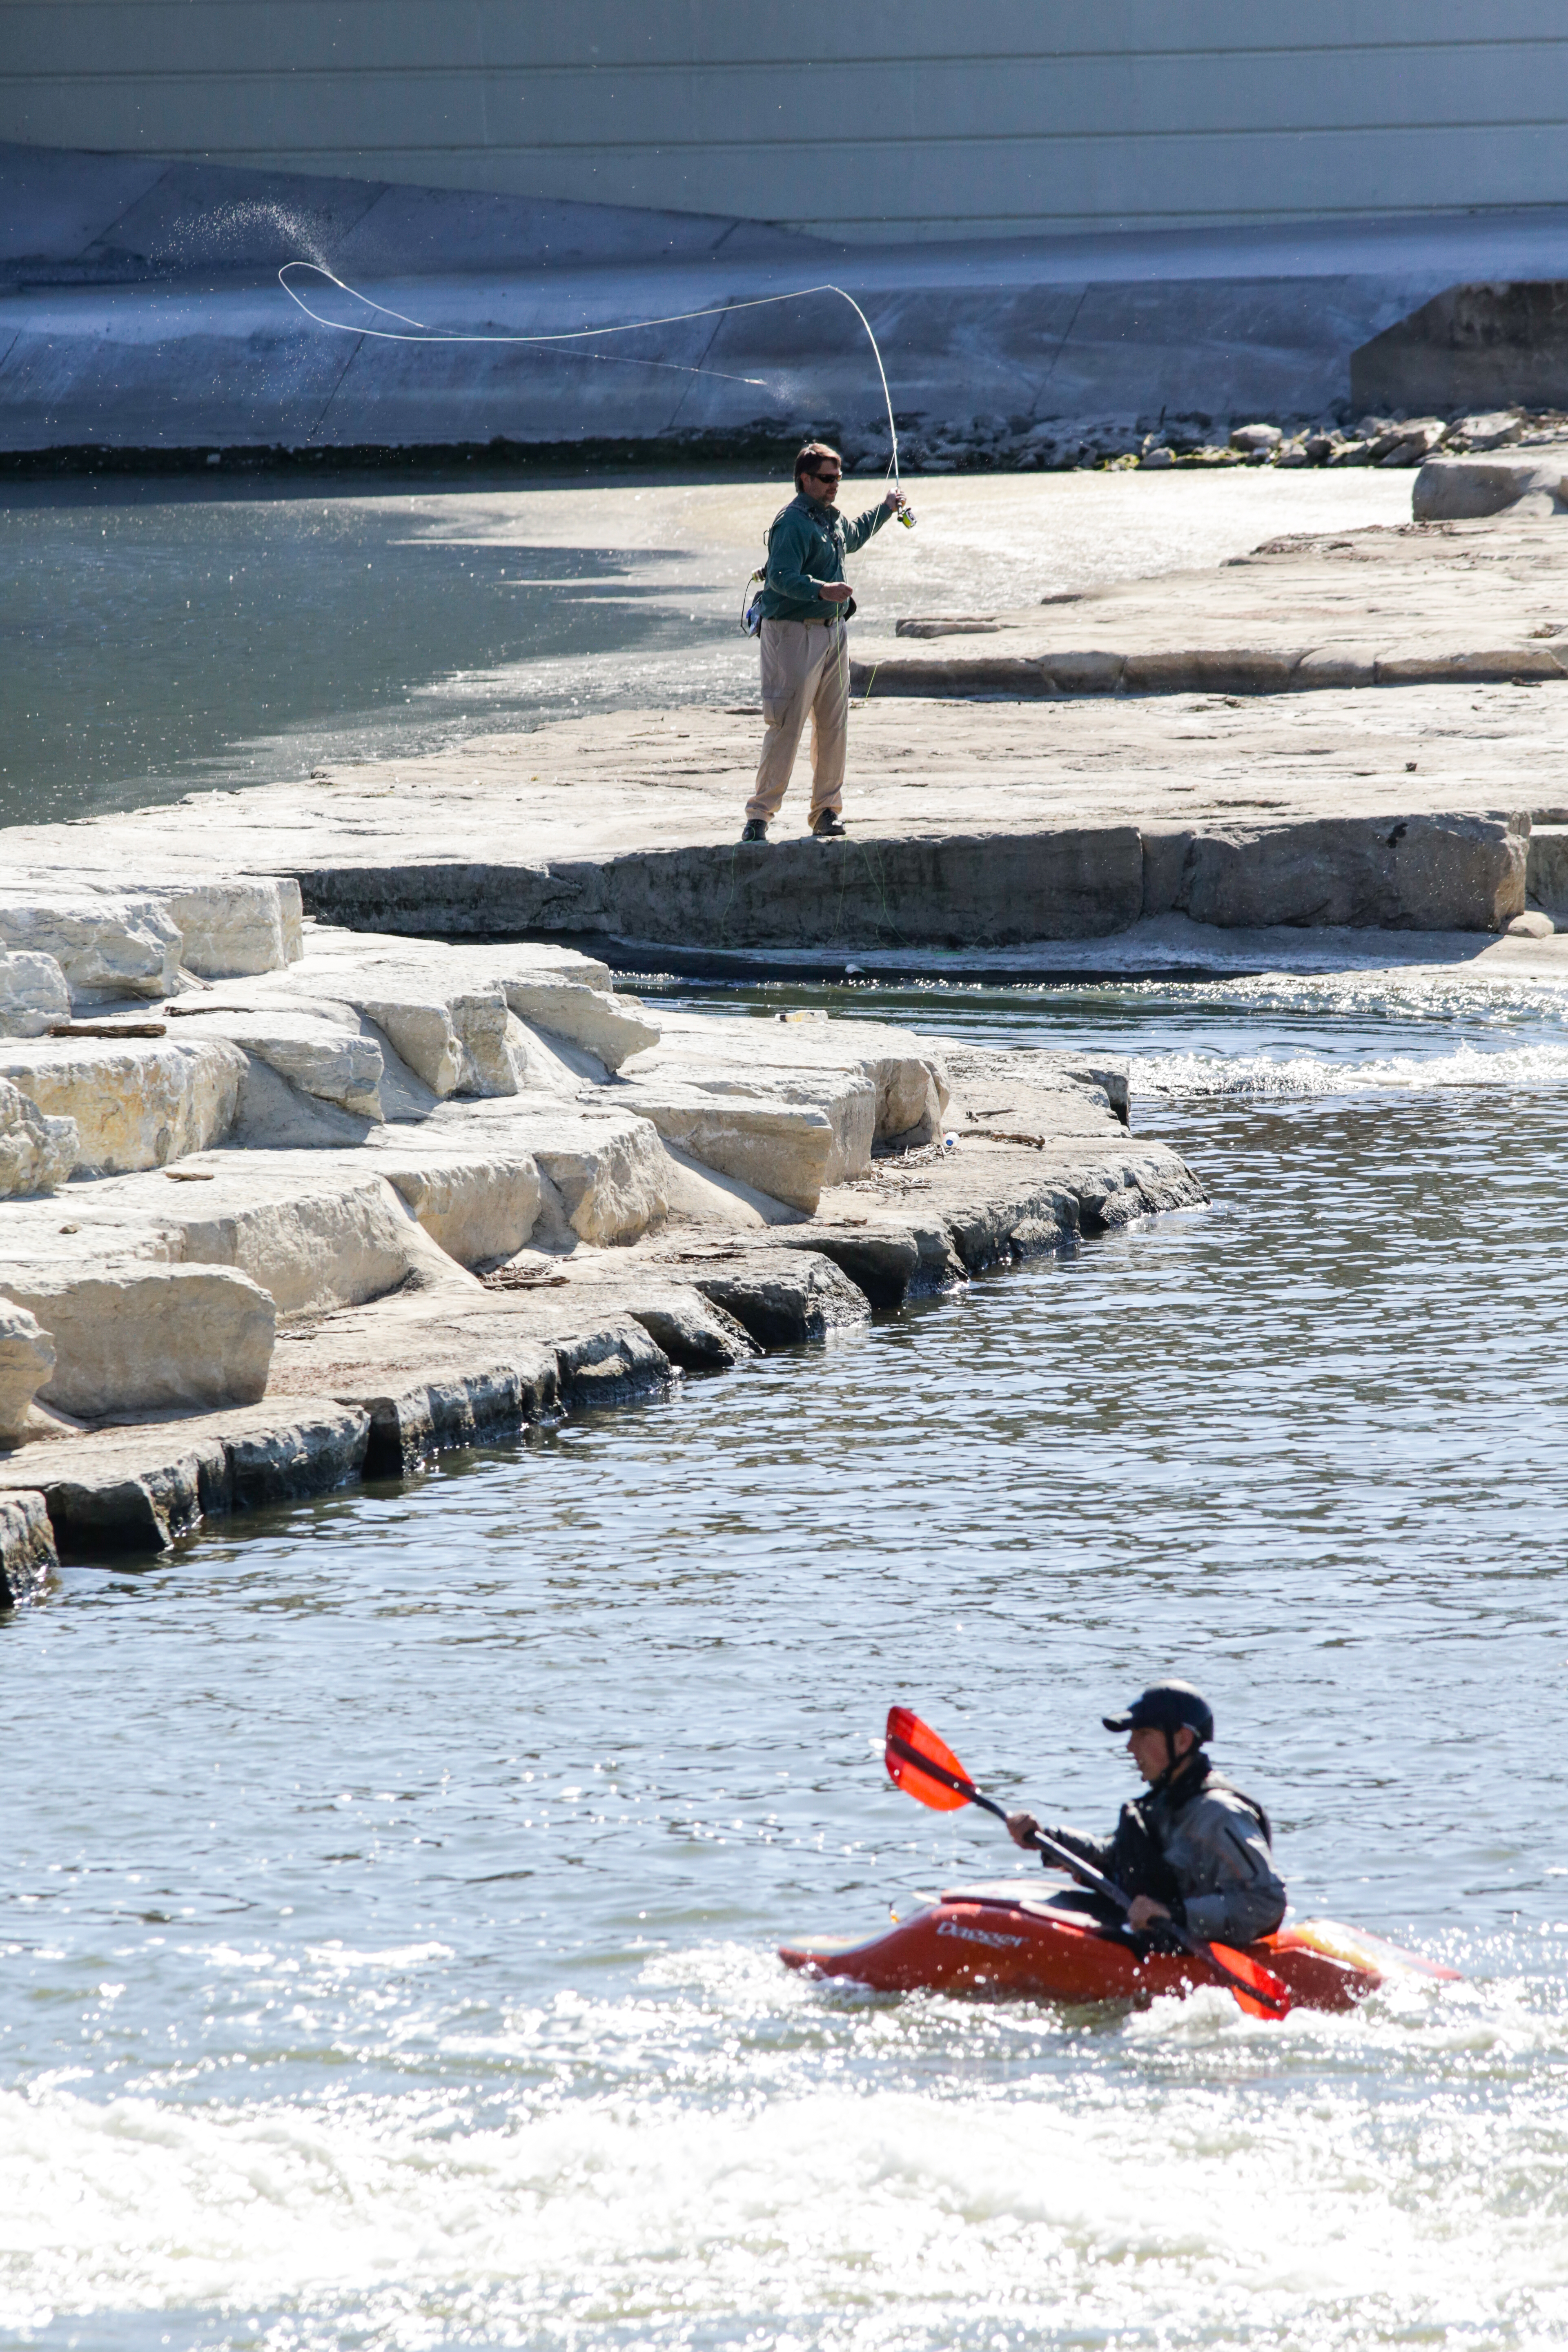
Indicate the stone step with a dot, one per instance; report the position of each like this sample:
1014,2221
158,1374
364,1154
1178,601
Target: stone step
139,1102
130,1335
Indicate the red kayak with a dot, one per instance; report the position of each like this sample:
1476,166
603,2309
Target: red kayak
1008,1936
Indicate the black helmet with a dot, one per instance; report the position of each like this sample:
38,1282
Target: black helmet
1167,1708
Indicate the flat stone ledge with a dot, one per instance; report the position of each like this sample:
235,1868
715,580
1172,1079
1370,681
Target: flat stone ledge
1237,669
123,1492
1420,870
949,891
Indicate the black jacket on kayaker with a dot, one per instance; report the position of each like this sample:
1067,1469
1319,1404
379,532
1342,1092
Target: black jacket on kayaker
1198,1846
1191,1845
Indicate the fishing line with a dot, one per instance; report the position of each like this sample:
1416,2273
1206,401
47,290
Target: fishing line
426,334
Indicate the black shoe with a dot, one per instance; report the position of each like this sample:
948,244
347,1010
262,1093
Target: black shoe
756,829
825,825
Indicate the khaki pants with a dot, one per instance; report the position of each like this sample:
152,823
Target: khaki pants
806,667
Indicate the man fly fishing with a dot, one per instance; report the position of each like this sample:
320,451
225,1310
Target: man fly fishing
1193,1851
805,605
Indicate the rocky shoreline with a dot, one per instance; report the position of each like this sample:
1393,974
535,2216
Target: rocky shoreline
1099,444
320,1160
289,1205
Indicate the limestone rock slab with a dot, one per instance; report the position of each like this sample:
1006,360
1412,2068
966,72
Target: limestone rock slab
131,1336
547,1063
300,1454
320,1056
26,1363
607,1170
33,992
314,1231
1416,873
234,924
37,1151
117,1505
423,1032
137,1103
694,1333
784,1304
612,1364
440,1011
1068,882
907,1072
1461,490
124,1492
788,1149
1548,871
883,1261
1005,1204
609,1026
481,1405
479,1209
554,989
105,945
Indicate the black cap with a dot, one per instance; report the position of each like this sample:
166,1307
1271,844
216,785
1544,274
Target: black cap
1166,1706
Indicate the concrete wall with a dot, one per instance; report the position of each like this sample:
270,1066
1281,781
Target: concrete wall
907,119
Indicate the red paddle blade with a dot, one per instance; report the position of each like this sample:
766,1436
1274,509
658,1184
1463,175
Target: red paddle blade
1258,1991
922,1766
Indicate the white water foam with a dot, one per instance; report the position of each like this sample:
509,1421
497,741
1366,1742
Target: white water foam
1202,2214
1165,1076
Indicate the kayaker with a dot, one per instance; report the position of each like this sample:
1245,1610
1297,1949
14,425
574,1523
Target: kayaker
1192,1849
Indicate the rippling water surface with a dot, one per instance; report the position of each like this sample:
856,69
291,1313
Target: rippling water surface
393,1884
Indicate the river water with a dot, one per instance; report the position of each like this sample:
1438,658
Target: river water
386,1959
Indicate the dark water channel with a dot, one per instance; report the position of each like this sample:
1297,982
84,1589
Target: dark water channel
393,1885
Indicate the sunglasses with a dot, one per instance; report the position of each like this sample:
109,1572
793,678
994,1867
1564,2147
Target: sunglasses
818,475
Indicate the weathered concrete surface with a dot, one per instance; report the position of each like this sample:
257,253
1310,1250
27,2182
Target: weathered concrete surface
147,315
1480,346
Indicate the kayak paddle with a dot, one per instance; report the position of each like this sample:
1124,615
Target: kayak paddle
926,1769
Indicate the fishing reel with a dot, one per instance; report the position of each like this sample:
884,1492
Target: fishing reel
906,518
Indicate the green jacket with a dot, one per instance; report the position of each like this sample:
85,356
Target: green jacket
808,543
